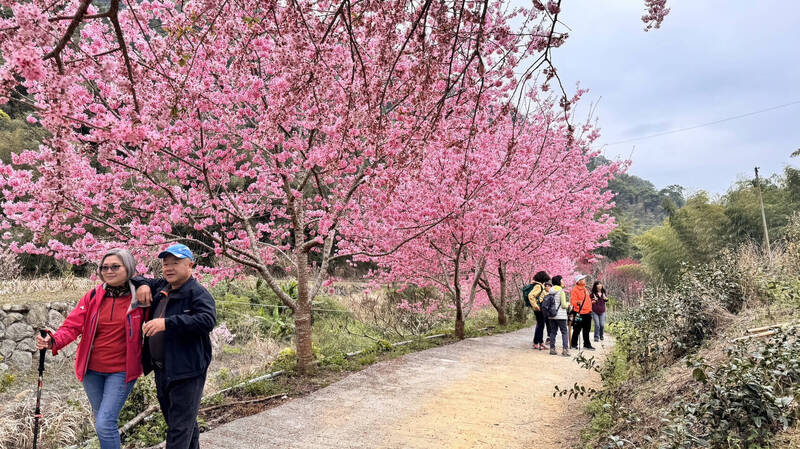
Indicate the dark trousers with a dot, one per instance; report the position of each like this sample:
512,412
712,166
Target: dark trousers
584,326
179,402
539,331
553,327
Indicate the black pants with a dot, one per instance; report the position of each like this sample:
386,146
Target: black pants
539,330
586,326
179,402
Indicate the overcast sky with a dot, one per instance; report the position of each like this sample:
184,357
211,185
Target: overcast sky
711,60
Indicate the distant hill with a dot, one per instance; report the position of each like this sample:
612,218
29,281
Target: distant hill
638,203
639,206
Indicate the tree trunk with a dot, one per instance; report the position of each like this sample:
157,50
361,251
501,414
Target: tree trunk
459,322
496,303
459,330
520,313
502,320
302,319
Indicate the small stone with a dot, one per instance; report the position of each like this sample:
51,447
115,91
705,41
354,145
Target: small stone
61,306
2,330
13,318
21,359
54,319
3,367
7,348
2,316
37,316
26,345
16,308
19,331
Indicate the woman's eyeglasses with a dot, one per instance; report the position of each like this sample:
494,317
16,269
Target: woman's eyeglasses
114,268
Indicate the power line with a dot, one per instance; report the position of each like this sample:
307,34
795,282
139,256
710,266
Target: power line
715,122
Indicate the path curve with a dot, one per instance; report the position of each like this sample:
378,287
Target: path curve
487,392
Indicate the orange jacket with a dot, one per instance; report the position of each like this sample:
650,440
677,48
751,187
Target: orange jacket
580,295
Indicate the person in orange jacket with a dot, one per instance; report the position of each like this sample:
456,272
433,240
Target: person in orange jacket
581,303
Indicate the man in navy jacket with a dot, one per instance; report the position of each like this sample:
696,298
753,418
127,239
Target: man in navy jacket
177,346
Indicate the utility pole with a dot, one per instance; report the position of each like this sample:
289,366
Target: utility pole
763,217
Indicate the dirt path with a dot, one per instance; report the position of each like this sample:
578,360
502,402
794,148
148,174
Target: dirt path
488,392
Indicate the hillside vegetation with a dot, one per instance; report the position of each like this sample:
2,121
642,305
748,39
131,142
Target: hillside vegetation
678,377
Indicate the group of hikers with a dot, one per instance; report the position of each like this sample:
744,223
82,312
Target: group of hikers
130,326
554,312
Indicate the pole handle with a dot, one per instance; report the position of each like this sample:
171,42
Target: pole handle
42,352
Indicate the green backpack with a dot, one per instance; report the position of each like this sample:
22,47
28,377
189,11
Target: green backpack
526,290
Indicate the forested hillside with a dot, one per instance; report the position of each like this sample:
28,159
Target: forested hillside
639,206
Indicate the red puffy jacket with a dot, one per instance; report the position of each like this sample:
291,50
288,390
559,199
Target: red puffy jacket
83,321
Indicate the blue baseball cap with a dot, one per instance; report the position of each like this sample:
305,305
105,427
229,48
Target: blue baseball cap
178,250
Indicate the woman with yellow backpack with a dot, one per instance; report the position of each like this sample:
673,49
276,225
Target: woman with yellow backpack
535,297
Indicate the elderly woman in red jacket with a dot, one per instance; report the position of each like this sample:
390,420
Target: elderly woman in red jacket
109,357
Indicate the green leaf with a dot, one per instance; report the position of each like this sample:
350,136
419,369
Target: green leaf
699,375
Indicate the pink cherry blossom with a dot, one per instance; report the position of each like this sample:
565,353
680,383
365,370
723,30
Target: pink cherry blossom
263,132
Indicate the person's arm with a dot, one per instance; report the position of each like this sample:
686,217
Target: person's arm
72,327
153,283
201,318
564,302
573,299
145,288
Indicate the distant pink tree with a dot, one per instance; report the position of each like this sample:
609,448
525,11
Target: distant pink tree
510,193
625,279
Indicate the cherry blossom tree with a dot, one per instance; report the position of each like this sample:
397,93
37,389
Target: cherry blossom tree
244,128
506,194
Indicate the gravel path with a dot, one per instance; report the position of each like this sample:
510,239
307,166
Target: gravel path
488,392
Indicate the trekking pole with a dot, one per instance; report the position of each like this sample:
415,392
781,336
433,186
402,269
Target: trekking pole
569,331
37,413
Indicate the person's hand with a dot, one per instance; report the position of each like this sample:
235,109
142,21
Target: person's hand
144,295
154,326
44,343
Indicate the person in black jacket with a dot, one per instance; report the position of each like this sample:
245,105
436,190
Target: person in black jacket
177,346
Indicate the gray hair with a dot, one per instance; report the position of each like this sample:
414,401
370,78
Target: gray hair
127,261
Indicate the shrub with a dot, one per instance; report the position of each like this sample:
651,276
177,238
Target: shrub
9,265
153,429
741,403
6,380
221,336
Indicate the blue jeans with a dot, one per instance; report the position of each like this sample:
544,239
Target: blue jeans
555,326
107,393
599,325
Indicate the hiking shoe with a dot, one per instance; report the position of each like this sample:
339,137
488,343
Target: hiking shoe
588,348
565,353
553,351
596,340
573,347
